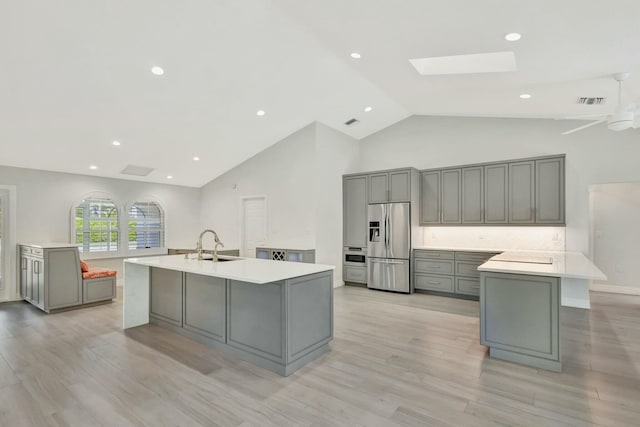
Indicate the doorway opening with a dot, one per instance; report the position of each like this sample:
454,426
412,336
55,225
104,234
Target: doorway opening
253,224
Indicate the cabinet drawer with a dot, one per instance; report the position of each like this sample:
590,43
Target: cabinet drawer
468,268
355,274
434,266
432,282
467,286
25,250
475,256
37,251
421,253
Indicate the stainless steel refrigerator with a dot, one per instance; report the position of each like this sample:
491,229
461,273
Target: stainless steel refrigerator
389,246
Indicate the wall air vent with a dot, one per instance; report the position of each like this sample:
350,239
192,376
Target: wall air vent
136,170
352,122
591,100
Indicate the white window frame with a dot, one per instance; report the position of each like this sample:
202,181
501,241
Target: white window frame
162,250
119,253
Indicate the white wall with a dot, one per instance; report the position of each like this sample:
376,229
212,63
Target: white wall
616,232
44,201
301,176
595,155
336,155
284,173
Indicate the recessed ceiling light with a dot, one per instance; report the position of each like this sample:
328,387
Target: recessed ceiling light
513,37
260,113
158,71
93,167
116,143
196,158
169,176
368,109
525,95
355,55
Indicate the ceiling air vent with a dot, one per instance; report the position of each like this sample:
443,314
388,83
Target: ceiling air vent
352,122
591,100
136,170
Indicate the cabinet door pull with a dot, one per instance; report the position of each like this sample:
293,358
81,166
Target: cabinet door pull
433,283
433,267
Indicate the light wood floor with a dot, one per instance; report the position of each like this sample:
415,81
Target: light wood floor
396,360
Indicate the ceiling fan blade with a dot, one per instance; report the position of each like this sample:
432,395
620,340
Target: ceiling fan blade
583,127
585,117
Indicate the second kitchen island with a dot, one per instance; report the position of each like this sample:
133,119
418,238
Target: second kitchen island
275,314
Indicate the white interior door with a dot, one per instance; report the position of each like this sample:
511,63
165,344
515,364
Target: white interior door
253,224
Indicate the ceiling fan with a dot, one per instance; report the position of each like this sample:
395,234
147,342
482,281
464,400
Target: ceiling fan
621,119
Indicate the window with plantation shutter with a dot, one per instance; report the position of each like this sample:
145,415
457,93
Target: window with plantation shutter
145,226
96,226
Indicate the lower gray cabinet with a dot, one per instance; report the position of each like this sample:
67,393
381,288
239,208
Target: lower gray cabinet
519,318
291,255
205,310
101,289
256,318
355,274
449,271
166,295
50,277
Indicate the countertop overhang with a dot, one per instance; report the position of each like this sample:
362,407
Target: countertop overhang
566,264
250,270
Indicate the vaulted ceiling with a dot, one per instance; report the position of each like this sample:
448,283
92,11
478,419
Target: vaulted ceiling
75,74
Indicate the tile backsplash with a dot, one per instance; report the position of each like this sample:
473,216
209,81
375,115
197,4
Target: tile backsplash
535,238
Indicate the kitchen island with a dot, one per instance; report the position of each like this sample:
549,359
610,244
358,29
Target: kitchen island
275,314
520,298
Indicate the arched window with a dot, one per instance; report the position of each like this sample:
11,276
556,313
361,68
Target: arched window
96,226
145,226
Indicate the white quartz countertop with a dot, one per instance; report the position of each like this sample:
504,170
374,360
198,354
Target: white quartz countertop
563,264
243,269
50,245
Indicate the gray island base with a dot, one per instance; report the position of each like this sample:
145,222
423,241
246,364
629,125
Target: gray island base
520,318
280,326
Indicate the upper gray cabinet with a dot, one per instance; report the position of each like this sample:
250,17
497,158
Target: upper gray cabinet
450,195
430,197
394,186
519,192
522,192
378,188
496,184
473,195
550,191
354,193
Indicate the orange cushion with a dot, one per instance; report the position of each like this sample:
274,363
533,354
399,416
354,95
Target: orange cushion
84,267
96,272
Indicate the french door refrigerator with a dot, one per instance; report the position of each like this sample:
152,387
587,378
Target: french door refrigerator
389,247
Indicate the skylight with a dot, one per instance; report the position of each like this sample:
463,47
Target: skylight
495,62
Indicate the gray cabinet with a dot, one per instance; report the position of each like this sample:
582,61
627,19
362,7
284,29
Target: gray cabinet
291,255
522,192
354,200
473,195
204,308
496,180
392,186
450,196
50,277
550,200
520,318
451,272
165,299
430,197
529,191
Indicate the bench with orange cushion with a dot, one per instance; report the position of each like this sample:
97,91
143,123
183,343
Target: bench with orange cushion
98,284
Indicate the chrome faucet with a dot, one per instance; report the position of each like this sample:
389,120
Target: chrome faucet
215,248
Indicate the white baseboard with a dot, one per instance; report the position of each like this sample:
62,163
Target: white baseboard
614,289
